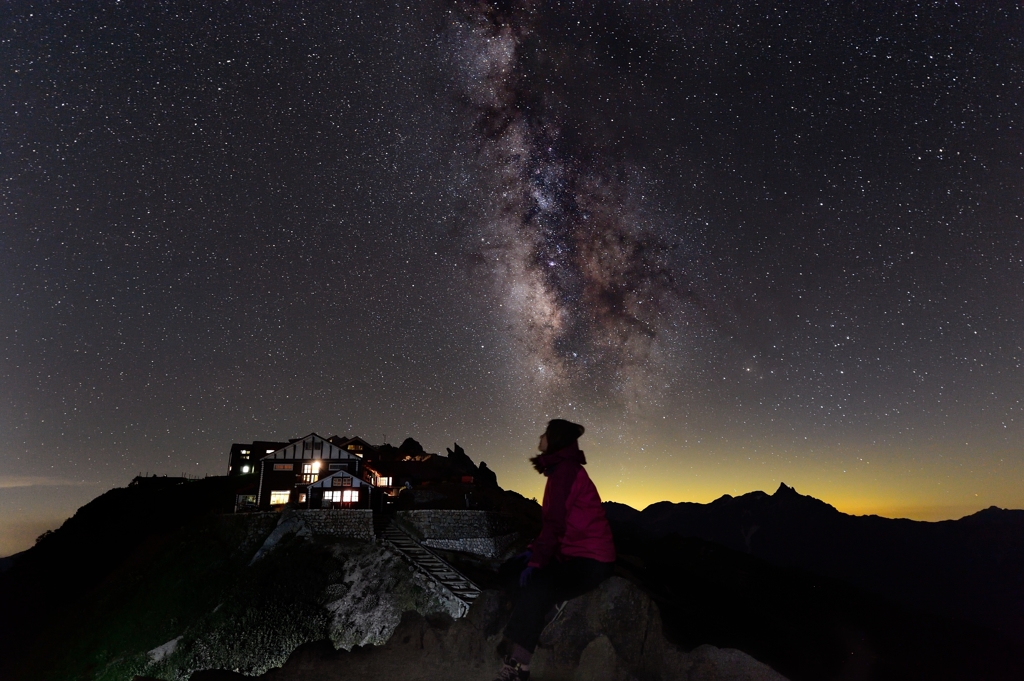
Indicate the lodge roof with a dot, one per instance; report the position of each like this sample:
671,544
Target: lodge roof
328,450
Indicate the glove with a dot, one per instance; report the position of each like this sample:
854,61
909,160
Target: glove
524,576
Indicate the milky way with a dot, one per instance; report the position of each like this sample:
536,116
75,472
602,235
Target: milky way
743,241
596,289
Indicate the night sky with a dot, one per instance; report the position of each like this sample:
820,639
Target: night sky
742,242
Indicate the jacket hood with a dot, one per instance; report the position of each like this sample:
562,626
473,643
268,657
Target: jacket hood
545,463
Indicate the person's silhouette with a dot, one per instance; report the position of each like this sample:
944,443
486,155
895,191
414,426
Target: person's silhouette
574,551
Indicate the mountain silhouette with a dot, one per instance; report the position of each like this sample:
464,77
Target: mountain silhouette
971,568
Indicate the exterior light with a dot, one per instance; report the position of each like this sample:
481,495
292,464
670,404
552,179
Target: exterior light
245,469
316,466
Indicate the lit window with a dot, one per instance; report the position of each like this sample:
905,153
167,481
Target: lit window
270,451
302,498
309,472
245,451
282,466
384,481
332,496
279,497
245,469
349,496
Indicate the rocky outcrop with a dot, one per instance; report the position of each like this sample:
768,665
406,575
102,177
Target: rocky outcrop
460,461
611,634
614,633
300,587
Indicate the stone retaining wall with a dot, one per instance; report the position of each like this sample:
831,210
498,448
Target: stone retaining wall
489,547
330,522
337,522
480,532
436,524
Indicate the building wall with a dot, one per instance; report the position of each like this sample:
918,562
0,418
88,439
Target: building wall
243,454
279,480
307,450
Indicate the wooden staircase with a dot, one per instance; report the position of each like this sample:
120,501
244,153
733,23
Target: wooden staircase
426,560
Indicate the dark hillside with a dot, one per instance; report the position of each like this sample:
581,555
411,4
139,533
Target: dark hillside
808,627
121,528
972,568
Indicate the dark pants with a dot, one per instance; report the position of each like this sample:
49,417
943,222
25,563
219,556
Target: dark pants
549,585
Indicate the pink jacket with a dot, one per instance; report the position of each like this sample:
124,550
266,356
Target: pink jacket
574,522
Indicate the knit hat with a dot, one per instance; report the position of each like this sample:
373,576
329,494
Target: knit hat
562,433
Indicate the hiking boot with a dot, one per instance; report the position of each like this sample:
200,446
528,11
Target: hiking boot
512,671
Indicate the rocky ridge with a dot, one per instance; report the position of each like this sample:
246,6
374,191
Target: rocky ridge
613,633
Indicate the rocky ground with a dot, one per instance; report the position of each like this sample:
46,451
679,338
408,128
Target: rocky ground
296,589
233,592
612,634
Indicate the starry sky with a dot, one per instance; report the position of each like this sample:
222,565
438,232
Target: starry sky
742,242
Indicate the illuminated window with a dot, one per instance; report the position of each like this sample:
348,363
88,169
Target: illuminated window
332,496
310,472
270,451
355,448
346,482
384,481
279,497
245,451
302,498
349,496
282,466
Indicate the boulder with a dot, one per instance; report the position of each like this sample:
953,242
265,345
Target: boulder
727,664
615,633
611,634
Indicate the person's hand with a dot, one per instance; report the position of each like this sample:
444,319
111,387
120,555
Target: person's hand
524,576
